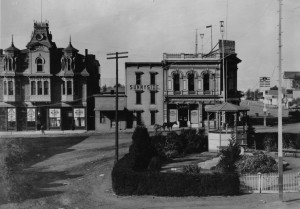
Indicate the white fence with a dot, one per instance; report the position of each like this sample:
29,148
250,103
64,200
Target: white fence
268,183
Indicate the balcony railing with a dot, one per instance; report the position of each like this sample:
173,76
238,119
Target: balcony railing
199,92
68,98
191,56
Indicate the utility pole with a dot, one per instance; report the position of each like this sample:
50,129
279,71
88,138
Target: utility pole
211,42
196,47
223,58
280,154
117,57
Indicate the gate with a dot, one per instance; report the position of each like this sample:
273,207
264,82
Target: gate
268,183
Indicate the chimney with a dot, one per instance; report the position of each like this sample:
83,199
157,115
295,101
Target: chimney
86,52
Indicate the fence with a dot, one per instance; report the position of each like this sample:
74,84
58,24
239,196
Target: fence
268,183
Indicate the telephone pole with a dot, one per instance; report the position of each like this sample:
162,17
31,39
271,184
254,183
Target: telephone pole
117,57
280,154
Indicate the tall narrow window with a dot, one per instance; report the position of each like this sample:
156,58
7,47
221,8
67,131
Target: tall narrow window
176,84
46,87
63,86
206,82
152,97
152,113
40,87
152,78
69,64
5,87
10,88
138,78
138,98
191,86
10,65
69,87
33,88
39,65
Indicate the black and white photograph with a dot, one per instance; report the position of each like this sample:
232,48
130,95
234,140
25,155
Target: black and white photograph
166,104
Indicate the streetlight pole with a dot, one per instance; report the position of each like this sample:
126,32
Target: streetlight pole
117,57
280,154
211,42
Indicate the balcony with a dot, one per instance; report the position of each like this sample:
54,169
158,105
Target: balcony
198,92
11,98
40,98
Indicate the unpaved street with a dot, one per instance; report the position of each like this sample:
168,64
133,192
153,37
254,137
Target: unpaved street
79,178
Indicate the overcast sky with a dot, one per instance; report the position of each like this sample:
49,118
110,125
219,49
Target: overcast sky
148,28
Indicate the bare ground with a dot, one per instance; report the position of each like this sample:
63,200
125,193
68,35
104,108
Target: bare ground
80,178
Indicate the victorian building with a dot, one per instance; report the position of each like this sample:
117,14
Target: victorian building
46,86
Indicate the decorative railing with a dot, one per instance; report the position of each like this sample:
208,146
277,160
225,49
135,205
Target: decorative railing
40,98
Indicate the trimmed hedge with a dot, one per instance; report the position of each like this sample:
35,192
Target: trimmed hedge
269,141
126,181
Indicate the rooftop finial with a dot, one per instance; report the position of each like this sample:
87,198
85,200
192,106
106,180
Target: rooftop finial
70,39
12,39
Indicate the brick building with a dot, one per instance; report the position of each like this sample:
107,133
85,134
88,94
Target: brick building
43,85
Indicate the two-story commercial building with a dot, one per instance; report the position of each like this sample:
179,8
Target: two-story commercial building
47,86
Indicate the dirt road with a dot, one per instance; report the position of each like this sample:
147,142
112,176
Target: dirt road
80,178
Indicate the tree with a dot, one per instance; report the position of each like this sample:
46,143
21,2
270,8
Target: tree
104,88
274,88
248,94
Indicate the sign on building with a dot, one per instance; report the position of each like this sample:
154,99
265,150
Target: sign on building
11,114
264,82
31,114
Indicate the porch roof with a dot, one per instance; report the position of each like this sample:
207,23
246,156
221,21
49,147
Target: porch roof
226,107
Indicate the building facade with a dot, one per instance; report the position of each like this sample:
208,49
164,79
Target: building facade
43,86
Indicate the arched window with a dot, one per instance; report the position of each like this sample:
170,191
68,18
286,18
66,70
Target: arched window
5,87
176,84
206,82
46,87
33,88
39,65
10,64
191,86
10,88
69,87
40,87
69,64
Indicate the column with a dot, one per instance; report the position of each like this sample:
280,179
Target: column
200,114
208,125
189,122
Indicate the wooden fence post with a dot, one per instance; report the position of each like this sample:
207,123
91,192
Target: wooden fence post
259,182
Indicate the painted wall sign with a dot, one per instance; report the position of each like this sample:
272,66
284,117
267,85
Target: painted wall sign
194,116
54,113
173,115
11,113
143,87
79,112
30,114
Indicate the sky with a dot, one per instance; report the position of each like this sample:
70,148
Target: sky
148,28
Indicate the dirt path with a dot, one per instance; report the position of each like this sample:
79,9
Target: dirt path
81,179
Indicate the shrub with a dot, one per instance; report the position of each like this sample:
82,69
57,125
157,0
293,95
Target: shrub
193,142
158,142
191,169
172,145
258,163
141,148
126,181
155,164
270,142
229,156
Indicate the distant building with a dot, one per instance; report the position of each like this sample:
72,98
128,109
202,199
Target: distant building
292,82
45,86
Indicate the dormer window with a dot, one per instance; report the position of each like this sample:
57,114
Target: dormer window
39,64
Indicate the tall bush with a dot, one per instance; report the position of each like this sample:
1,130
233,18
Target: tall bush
141,148
229,156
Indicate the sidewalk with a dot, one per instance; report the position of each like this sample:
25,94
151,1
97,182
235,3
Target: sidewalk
39,133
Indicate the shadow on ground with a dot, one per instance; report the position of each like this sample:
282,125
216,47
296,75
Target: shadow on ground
17,181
